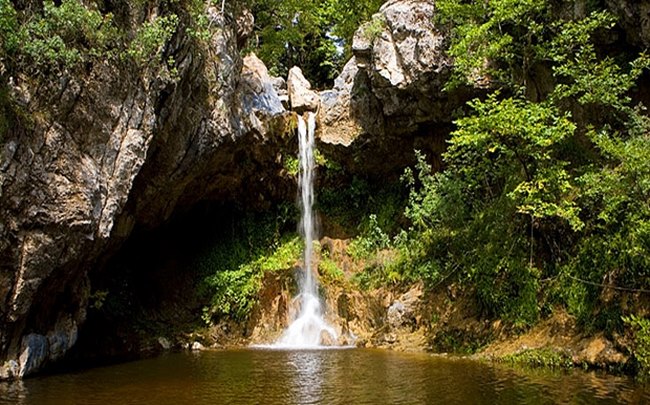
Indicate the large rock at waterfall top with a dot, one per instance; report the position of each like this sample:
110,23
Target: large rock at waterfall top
260,99
349,108
393,85
113,149
301,96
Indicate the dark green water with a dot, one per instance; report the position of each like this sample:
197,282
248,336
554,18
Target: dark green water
352,376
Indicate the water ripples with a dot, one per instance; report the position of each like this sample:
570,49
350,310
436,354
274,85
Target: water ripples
320,377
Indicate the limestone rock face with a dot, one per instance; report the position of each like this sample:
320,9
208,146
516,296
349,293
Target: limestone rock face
407,65
301,97
389,98
347,109
393,86
404,310
110,150
259,97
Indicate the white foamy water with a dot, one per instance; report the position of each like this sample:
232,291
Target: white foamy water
308,329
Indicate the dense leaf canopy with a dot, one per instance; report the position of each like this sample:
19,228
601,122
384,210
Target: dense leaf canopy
313,34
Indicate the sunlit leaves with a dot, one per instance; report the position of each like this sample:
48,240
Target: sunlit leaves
315,35
62,37
584,75
147,46
492,42
515,140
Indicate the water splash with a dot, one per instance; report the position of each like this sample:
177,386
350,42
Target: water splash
308,329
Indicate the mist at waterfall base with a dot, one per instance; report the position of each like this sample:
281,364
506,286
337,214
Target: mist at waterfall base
308,329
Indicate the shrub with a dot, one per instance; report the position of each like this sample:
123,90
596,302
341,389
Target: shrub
59,38
234,265
544,357
641,332
148,45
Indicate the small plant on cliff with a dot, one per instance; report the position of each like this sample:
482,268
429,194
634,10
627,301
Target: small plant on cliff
373,29
328,269
372,239
291,165
148,45
97,299
200,27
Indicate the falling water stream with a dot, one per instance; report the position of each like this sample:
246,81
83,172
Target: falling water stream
308,328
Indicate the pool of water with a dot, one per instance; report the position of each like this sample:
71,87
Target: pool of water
353,376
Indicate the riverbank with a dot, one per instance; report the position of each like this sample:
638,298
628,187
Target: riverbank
409,318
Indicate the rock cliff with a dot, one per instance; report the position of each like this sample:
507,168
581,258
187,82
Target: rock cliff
112,149
392,91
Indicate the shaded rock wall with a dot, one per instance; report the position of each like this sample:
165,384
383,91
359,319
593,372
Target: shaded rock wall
635,18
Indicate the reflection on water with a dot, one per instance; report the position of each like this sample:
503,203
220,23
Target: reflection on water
307,375
320,377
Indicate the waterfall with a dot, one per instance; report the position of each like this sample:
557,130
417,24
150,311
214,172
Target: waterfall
308,328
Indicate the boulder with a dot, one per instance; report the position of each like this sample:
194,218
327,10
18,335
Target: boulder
196,346
259,98
280,86
349,108
164,343
403,311
393,87
403,53
301,97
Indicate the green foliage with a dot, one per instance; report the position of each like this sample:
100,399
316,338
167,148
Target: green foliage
97,299
60,37
9,28
148,45
583,75
459,341
371,240
469,228
530,192
641,331
67,35
199,27
236,289
235,266
291,165
508,147
615,244
307,33
544,357
494,41
347,16
328,269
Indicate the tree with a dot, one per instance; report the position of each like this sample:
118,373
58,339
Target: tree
315,35
539,184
